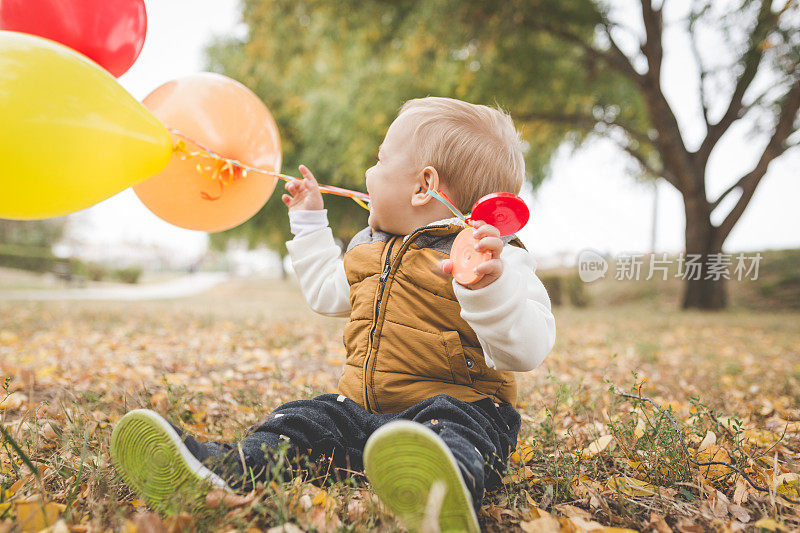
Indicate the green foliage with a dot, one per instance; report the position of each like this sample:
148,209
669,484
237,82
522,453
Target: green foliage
127,275
778,281
34,258
34,233
552,283
560,285
334,75
648,439
576,290
96,272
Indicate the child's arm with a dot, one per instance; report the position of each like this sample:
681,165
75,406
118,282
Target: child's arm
508,308
315,256
511,316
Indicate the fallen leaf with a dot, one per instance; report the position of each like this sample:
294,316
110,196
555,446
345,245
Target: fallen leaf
631,486
639,430
48,431
160,401
519,475
571,511
712,452
658,523
767,523
788,484
35,515
708,440
320,498
741,491
577,524
522,454
323,521
545,524
685,525
356,511
217,497
759,437
59,527
148,522
739,512
13,401
179,523
493,511
286,528
598,446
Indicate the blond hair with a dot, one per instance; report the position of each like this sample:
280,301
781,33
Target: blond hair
475,149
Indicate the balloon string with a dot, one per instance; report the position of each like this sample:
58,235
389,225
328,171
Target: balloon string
226,171
442,197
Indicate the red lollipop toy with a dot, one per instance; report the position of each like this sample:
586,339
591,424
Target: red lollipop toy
503,210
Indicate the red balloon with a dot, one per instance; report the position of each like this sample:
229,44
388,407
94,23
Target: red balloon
110,32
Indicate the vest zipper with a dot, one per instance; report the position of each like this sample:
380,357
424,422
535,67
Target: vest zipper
387,267
384,274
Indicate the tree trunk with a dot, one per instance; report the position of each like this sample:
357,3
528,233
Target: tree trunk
705,294
701,240
284,274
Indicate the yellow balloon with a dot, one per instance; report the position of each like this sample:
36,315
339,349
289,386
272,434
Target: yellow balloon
70,135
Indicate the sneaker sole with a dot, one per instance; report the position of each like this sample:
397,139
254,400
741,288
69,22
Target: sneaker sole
151,458
402,460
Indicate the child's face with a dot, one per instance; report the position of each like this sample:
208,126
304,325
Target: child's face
393,181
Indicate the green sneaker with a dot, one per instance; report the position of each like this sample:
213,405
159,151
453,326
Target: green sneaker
154,461
404,461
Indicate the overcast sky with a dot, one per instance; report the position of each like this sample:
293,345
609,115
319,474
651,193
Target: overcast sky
588,202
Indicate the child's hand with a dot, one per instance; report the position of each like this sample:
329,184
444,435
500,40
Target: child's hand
304,193
488,241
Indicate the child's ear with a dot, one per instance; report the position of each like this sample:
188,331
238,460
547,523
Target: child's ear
427,179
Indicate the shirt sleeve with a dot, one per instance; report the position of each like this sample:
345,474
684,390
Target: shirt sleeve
318,264
303,221
511,316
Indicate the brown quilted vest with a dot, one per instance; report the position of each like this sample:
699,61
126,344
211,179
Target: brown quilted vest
405,339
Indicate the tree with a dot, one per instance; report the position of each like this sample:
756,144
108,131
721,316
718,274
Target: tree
764,41
33,233
334,73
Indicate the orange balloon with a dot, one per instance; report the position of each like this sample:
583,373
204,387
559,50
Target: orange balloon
227,118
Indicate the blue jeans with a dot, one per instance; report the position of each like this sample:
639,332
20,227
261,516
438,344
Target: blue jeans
481,435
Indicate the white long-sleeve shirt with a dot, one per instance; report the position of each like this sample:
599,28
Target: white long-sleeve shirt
511,317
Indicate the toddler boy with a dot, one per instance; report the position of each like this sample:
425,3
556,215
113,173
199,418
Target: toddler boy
426,400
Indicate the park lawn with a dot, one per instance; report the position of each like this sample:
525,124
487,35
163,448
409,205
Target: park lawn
218,362
16,279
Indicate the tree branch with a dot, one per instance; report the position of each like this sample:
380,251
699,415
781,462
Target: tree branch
577,119
713,205
609,57
775,147
700,67
652,47
642,160
750,61
590,122
757,101
623,61
670,141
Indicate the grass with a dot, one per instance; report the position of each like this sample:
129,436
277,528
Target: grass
218,362
15,279
776,285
